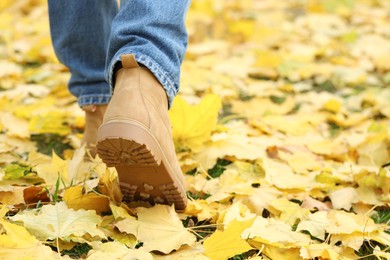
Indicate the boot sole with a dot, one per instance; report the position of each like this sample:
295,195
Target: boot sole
145,175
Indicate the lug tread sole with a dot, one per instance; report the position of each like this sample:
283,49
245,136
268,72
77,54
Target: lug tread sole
144,179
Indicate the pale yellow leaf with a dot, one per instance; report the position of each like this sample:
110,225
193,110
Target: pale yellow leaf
289,124
58,221
12,197
282,176
14,126
237,211
347,223
186,252
276,233
343,198
381,254
17,243
322,251
229,144
289,212
261,198
116,250
316,224
231,182
159,228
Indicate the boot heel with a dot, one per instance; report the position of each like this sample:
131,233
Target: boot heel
145,175
119,151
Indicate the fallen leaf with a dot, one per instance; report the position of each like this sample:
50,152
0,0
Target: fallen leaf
237,211
343,198
276,233
316,224
76,199
116,250
34,195
228,243
12,197
193,124
288,212
323,251
17,243
58,221
159,228
109,185
51,122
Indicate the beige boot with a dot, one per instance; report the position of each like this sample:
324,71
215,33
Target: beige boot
136,138
93,119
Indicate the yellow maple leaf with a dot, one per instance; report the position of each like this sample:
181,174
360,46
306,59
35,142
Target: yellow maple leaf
228,243
76,199
52,122
17,243
159,228
58,221
193,124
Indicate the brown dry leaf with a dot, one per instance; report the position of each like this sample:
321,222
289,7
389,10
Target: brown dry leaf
33,195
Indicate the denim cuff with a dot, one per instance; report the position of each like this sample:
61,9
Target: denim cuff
101,99
153,66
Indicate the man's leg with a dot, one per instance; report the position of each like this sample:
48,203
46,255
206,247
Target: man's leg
147,46
80,31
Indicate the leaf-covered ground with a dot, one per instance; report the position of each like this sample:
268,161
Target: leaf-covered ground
281,129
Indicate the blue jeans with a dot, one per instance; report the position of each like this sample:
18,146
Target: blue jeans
89,36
